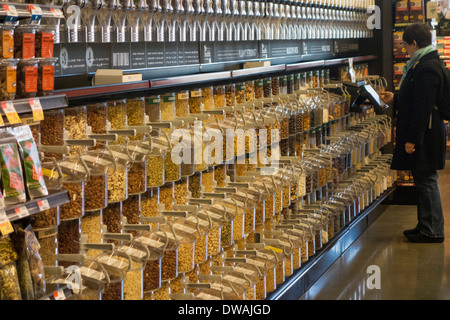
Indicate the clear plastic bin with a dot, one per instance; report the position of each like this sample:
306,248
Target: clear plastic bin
6,42
8,77
25,41
27,78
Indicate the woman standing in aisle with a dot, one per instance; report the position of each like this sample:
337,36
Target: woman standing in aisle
420,134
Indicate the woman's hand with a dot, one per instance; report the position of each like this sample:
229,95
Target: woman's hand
387,96
409,148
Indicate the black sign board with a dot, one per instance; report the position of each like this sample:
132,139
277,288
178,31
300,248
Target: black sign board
120,56
56,50
98,56
317,47
346,45
284,48
188,53
72,58
137,55
155,54
171,54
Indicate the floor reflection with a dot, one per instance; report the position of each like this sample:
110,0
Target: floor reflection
407,271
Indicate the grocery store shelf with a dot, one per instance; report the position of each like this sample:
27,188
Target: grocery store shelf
22,106
328,63
305,65
334,62
31,207
57,292
189,79
299,283
23,10
104,90
257,71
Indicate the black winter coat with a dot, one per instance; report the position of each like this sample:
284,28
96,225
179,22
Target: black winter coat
418,121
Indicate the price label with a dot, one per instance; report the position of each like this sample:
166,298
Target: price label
59,295
36,13
11,14
43,204
5,224
36,108
10,112
56,13
21,212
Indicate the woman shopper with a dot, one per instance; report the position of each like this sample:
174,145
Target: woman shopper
420,134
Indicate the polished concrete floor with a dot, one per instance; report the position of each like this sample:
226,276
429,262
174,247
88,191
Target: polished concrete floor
381,265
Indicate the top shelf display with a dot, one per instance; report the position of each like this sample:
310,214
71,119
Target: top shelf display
11,12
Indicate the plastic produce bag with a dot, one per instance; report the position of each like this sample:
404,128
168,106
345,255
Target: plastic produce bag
13,186
34,177
35,261
23,268
9,281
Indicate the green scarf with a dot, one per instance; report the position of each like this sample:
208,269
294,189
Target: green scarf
414,59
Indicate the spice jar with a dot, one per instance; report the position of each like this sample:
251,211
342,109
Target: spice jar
45,40
172,159
8,76
6,42
117,117
131,210
112,218
48,245
182,103
27,78
136,115
134,280
149,204
187,241
208,97
155,167
75,122
75,173
195,100
167,197
69,235
137,173
153,111
117,181
169,243
24,41
96,116
95,188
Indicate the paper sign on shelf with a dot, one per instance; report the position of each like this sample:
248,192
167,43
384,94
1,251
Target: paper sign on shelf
10,112
22,212
5,224
36,13
11,14
36,108
43,204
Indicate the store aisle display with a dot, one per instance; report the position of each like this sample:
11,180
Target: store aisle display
384,246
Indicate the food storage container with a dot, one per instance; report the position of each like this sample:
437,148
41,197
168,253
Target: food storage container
69,236
117,117
118,180
45,40
25,41
182,103
8,76
136,115
153,111
27,78
134,281
6,42
137,173
208,97
155,167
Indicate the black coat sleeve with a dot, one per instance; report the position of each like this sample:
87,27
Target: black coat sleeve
426,89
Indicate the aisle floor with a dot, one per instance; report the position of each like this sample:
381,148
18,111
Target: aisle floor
403,270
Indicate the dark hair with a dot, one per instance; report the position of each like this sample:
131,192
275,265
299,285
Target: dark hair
419,32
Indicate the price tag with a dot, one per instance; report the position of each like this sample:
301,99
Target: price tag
10,112
21,212
36,108
11,13
59,295
5,224
36,13
57,13
43,205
